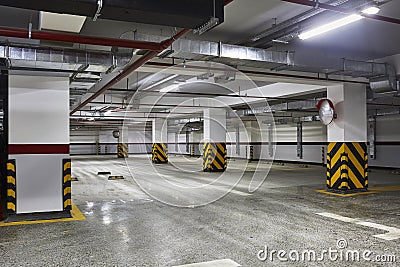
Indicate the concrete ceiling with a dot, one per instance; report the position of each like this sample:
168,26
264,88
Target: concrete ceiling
364,40
245,18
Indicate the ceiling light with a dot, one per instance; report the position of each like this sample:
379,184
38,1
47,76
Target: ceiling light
207,26
330,26
372,10
164,80
169,88
60,22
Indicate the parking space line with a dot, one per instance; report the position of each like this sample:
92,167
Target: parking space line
216,263
393,233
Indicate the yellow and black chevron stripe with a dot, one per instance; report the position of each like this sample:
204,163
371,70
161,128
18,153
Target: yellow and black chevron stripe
115,177
11,187
214,157
251,154
122,150
159,153
67,184
347,166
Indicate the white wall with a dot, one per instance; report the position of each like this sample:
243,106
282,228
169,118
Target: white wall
84,142
388,130
387,133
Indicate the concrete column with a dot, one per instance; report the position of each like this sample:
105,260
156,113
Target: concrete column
252,136
4,142
214,153
160,140
123,147
39,144
194,140
347,158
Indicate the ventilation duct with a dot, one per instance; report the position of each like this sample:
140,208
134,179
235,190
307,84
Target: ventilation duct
383,84
219,52
381,76
62,59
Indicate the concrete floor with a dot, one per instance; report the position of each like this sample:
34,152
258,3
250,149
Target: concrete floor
126,227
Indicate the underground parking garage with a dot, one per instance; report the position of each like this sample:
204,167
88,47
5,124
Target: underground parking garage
199,133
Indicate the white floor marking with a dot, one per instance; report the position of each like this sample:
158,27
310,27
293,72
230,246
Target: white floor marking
216,263
239,193
232,191
393,233
338,217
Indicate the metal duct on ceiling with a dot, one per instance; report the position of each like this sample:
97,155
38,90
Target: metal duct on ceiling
383,84
223,53
382,76
62,59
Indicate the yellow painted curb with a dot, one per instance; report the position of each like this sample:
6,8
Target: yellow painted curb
372,190
75,212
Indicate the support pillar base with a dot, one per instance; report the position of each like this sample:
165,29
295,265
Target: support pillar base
214,157
159,153
122,150
347,167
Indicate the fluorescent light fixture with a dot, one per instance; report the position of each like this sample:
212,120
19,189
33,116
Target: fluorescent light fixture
372,10
61,22
330,26
169,88
162,81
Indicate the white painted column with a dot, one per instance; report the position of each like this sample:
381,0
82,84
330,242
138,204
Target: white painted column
215,125
160,140
214,154
191,144
351,109
123,146
39,140
159,130
347,136
251,136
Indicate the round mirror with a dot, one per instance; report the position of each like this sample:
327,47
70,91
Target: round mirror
116,134
326,111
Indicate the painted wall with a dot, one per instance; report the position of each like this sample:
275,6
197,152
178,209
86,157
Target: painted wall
87,142
314,138
387,142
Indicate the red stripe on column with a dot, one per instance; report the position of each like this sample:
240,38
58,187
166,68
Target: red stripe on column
38,149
